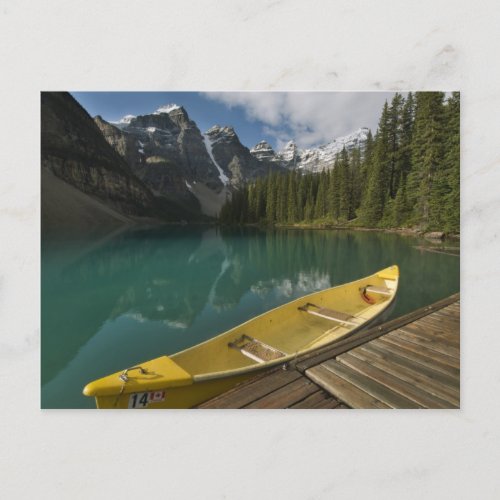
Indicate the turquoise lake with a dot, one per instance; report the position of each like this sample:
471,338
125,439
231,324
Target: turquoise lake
111,303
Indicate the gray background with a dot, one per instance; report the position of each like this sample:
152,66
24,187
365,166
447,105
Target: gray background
241,45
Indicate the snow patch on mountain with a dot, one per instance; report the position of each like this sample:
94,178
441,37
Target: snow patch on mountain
208,144
167,108
289,152
124,120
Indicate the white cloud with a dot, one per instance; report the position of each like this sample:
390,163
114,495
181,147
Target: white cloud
309,118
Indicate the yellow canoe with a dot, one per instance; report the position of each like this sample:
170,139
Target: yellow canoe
276,337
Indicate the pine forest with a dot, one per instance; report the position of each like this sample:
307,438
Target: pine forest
406,176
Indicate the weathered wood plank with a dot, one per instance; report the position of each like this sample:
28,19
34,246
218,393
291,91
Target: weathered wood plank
420,396
369,385
430,362
416,338
329,404
249,391
287,395
419,349
444,379
411,376
442,324
442,327
448,315
433,331
343,390
318,400
430,358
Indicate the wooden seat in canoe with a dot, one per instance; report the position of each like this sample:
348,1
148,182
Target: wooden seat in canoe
382,290
330,314
255,349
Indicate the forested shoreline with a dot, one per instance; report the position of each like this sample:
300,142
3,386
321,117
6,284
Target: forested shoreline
407,176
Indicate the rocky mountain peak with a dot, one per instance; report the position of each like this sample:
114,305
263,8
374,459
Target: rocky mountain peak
289,152
261,146
263,151
313,159
217,133
166,117
168,108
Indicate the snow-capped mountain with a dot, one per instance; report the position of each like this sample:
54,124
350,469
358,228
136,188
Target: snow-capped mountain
312,159
168,152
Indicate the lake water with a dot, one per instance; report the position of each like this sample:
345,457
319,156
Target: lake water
111,303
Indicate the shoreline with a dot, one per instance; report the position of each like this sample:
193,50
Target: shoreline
327,226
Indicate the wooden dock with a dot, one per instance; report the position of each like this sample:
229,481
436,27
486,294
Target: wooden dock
409,362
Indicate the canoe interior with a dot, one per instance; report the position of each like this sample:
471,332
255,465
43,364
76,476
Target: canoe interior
289,329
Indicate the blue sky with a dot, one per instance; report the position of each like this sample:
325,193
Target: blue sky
309,118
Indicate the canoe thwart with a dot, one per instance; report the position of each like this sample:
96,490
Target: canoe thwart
382,290
255,349
330,314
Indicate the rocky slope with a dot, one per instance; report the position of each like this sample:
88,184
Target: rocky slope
234,158
74,150
167,151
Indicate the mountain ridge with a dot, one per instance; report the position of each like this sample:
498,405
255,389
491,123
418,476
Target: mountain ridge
313,159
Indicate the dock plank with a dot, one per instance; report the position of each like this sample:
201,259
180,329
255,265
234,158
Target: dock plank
433,331
371,386
450,361
410,376
287,395
416,394
343,390
447,380
409,334
249,391
317,400
431,361
441,325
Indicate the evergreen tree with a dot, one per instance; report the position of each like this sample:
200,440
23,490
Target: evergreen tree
373,207
271,199
336,181
301,196
366,162
320,205
452,164
426,181
402,209
309,206
292,213
345,187
356,179
407,119
393,143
